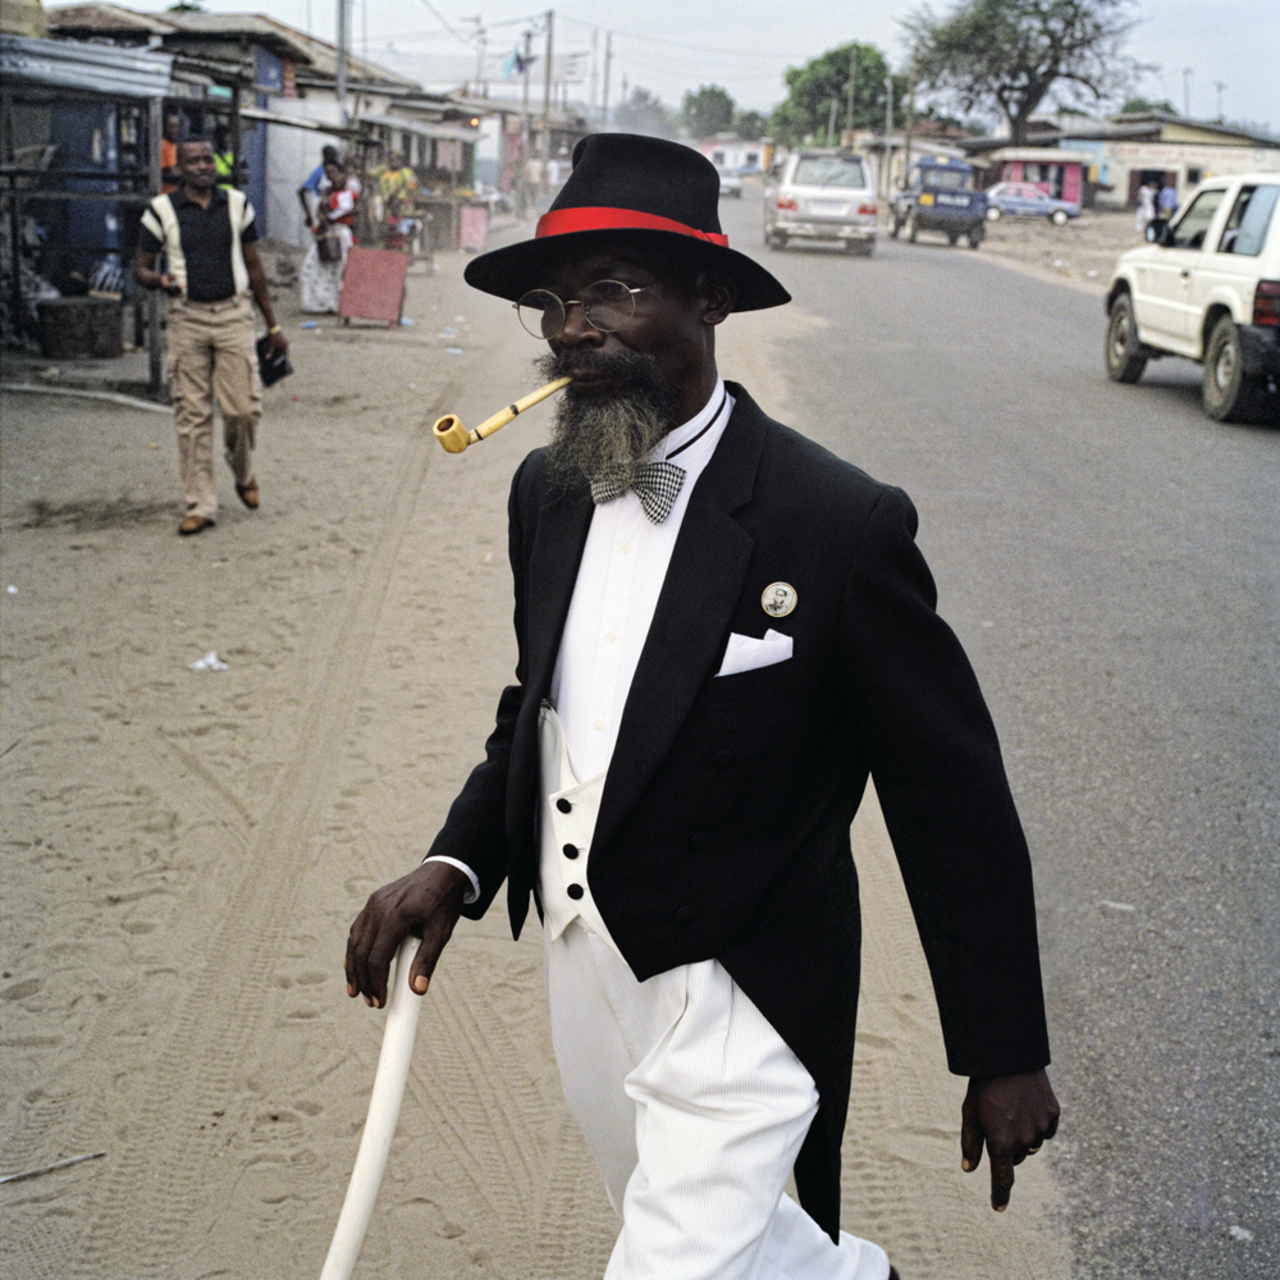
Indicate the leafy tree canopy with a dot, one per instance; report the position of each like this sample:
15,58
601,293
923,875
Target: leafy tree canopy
806,113
708,112
750,126
644,113
1008,54
1139,104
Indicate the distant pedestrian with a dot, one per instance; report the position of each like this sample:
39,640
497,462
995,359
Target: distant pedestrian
320,279
1168,201
169,139
208,235
224,159
1146,208
312,192
398,192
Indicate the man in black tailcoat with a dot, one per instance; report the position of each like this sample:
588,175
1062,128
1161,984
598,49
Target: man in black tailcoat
723,631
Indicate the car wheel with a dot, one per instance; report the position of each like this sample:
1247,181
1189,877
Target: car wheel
952,237
1058,217
994,213
776,240
1124,364
859,248
975,235
1230,395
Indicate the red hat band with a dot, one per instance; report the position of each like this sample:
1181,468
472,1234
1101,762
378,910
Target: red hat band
559,222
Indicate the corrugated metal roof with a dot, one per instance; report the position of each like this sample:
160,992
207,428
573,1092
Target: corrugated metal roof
322,55
302,46
231,26
102,69
105,17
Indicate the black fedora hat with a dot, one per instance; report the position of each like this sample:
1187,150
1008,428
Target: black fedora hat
652,191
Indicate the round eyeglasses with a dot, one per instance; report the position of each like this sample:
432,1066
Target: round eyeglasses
606,306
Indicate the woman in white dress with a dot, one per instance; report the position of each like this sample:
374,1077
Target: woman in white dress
320,281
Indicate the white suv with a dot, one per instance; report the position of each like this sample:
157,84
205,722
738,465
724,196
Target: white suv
1207,287
823,195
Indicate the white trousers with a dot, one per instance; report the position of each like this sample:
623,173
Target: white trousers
695,1109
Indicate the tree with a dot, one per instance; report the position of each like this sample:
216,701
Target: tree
1010,53
708,112
1140,106
750,126
644,113
813,88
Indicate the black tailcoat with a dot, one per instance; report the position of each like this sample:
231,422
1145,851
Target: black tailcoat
724,824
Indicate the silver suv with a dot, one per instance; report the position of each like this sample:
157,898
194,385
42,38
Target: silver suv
823,195
1207,287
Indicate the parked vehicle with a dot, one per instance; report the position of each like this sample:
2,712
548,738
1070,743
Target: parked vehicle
1207,287
730,182
826,196
939,196
1026,200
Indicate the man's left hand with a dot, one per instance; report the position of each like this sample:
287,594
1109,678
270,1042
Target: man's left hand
1012,1116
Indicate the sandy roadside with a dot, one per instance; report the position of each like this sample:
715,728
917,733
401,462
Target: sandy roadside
1082,254
185,850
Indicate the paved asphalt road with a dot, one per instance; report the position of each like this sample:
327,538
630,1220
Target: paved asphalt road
1109,557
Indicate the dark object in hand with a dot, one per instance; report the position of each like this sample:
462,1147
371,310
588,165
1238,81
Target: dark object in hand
272,365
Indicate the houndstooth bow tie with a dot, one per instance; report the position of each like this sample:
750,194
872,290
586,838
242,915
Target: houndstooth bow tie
657,485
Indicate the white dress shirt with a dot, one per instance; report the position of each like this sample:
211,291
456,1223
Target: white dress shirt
624,564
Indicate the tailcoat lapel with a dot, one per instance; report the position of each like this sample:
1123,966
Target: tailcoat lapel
544,593
562,526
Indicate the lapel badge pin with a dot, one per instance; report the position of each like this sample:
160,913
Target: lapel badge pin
778,599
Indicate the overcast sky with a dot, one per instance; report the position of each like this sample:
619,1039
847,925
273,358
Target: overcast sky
668,46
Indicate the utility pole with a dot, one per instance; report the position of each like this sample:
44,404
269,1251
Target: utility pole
853,83
595,73
608,65
525,157
831,119
546,101
1217,84
342,63
911,113
1186,91
480,46
888,124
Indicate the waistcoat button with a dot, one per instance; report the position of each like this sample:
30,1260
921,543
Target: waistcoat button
575,891
570,851
563,805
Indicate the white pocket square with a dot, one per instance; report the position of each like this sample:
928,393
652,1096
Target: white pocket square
746,653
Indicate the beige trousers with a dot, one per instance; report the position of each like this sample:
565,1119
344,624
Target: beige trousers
212,357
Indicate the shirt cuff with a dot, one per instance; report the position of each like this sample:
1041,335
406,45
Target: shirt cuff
473,895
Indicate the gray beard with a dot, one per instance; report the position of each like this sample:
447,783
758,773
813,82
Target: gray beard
598,438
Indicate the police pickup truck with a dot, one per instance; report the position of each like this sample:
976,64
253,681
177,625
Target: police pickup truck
939,196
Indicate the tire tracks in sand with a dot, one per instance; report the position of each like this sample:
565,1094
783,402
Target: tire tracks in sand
157,1174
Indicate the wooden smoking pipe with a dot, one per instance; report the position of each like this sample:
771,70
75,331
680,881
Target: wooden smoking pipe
454,437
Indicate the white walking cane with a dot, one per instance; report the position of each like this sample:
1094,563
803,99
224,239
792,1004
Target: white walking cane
403,1008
